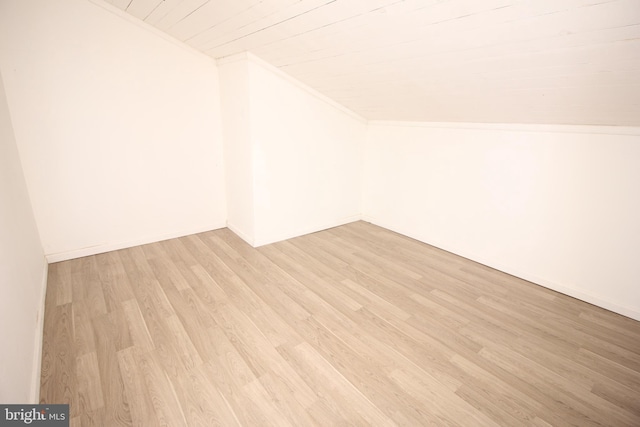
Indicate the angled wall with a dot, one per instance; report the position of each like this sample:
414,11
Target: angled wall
238,148
557,205
23,274
118,127
294,155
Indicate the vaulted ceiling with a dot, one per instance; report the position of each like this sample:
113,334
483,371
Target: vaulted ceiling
509,61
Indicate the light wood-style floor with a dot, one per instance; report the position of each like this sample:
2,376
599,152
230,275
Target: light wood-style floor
350,326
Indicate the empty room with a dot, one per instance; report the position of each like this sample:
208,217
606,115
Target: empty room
320,212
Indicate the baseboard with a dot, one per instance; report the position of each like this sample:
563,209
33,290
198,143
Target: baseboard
239,233
566,290
108,247
308,230
37,356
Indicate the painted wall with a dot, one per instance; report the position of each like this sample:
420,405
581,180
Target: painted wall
557,205
238,148
304,153
118,127
23,274
307,157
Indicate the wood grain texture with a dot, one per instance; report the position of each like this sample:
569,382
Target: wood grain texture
490,61
355,325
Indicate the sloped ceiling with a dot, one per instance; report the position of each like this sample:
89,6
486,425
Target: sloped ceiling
508,61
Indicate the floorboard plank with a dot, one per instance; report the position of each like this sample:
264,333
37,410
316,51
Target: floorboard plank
355,325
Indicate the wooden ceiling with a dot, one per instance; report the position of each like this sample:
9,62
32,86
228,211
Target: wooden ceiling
509,61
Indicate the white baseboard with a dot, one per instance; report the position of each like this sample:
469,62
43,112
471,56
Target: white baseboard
566,290
108,247
244,236
308,230
38,339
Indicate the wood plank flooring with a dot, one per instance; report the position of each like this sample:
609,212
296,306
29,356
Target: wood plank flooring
354,325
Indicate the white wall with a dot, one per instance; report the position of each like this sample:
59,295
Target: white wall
557,205
23,274
117,126
307,157
238,148
304,153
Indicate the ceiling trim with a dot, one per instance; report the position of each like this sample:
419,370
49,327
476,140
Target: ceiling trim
551,128
275,70
148,27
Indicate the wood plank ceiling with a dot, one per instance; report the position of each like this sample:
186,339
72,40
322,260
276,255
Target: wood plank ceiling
509,61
